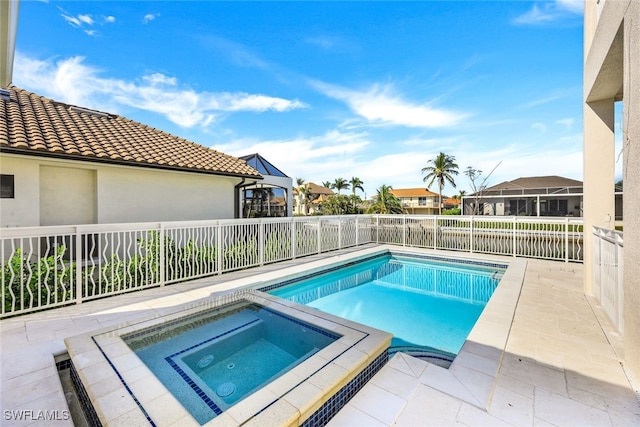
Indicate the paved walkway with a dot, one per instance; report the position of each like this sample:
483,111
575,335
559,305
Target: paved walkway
559,368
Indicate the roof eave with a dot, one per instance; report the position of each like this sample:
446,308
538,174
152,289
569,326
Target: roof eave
65,156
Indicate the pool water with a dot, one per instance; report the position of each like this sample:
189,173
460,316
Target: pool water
429,306
211,360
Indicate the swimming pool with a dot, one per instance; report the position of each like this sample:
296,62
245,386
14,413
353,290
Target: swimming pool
429,304
123,390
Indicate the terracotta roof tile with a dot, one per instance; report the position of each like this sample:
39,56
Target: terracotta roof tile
29,122
412,192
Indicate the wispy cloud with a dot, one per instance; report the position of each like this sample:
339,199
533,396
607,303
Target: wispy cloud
332,43
567,123
545,12
314,158
553,96
70,80
83,21
149,17
237,53
380,105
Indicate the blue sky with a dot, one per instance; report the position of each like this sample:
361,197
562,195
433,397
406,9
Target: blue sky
328,89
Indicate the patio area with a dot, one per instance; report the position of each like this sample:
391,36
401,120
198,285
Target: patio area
561,364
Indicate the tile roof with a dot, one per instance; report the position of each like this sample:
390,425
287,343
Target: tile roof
315,189
34,125
535,182
413,192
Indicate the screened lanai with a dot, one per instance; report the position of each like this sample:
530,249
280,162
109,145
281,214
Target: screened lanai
271,197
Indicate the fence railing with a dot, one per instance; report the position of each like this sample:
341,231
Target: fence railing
608,268
44,267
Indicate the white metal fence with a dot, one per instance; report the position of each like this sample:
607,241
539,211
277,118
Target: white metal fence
44,267
608,268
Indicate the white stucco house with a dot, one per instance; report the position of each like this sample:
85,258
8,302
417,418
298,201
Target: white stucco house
62,164
612,75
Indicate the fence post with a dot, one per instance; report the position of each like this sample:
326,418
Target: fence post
435,232
566,239
404,230
294,244
377,229
78,266
339,232
219,248
319,235
619,281
163,256
261,236
471,234
357,232
515,226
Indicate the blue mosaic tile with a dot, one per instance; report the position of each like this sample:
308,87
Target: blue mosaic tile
331,407
144,411
388,254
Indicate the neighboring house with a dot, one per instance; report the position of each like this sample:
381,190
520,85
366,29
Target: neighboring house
317,196
612,74
533,196
451,203
529,196
62,164
418,201
273,196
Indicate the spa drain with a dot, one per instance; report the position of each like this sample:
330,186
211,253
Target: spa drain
225,389
205,361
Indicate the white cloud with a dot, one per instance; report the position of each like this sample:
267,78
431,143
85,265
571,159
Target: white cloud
568,122
149,17
575,6
381,106
540,127
83,20
87,19
160,79
70,80
544,12
72,20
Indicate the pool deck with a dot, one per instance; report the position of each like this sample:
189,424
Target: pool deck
561,365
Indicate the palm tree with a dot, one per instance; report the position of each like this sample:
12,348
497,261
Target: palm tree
299,182
326,184
356,184
305,197
340,184
386,202
442,168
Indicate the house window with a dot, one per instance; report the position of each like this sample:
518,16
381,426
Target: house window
422,201
7,189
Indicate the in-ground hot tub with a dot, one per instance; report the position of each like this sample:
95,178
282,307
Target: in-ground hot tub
211,360
246,357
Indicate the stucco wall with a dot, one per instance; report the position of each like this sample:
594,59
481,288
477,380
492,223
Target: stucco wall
631,139
612,73
24,209
123,194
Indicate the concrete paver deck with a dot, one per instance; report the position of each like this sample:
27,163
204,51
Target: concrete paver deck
559,367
